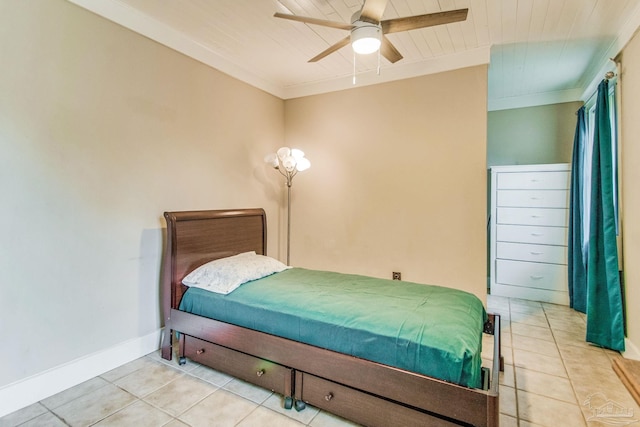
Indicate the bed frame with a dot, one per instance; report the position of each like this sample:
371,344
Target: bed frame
366,392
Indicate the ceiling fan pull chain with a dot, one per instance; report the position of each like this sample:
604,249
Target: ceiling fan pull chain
378,61
354,68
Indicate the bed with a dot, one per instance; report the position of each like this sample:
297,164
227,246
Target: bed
369,377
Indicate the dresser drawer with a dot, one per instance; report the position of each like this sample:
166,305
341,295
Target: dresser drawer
533,294
533,198
532,274
532,234
358,406
529,252
556,180
240,365
533,216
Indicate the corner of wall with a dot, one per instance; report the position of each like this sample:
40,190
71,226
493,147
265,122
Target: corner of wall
25,392
632,351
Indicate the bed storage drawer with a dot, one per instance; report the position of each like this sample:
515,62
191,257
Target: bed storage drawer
356,405
240,365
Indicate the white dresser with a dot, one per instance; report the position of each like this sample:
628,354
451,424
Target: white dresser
528,238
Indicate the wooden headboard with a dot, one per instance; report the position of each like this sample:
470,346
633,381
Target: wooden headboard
196,237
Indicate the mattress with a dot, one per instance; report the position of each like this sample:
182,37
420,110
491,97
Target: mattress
431,330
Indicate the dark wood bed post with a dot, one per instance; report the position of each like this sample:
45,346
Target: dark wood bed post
167,289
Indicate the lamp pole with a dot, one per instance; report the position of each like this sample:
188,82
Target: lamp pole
288,173
288,220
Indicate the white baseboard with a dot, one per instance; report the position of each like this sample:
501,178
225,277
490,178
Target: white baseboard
30,390
631,350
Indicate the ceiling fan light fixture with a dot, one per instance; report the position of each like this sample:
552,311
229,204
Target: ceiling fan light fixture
365,38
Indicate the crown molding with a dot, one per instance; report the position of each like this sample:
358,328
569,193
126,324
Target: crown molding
536,99
395,72
155,30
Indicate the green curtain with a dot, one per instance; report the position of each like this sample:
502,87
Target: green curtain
577,249
605,323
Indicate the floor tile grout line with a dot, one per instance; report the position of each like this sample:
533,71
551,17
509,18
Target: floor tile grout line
568,377
93,391
573,388
143,399
115,412
515,376
248,414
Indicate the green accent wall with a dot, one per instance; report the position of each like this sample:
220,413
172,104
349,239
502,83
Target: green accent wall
532,135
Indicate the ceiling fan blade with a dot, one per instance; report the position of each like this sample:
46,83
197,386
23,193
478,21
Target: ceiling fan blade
372,10
323,22
342,43
389,51
422,21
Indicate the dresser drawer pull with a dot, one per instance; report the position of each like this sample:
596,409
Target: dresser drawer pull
536,277
536,216
260,372
536,253
328,397
201,351
536,198
537,234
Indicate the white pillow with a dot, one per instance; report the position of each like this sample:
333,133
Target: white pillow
226,274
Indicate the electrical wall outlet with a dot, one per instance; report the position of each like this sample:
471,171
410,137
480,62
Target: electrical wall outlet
396,275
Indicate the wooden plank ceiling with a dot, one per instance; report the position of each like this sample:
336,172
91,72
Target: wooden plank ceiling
540,51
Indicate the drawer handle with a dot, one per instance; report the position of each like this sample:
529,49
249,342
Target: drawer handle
260,372
535,198
328,397
537,234
536,216
537,277
536,253
200,351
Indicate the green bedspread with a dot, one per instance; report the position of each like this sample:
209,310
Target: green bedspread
431,330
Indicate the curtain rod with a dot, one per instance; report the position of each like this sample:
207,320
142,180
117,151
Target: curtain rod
610,74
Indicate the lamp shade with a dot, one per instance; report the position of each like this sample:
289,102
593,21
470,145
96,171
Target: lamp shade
272,159
288,161
283,152
303,164
365,38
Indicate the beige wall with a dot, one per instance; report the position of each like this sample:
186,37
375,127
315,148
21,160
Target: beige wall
630,172
101,130
397,181
533,135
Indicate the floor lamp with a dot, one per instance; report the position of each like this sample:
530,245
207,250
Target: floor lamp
288,162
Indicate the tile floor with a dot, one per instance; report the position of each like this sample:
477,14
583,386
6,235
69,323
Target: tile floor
552,378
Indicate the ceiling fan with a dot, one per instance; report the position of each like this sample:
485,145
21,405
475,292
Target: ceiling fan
367,31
